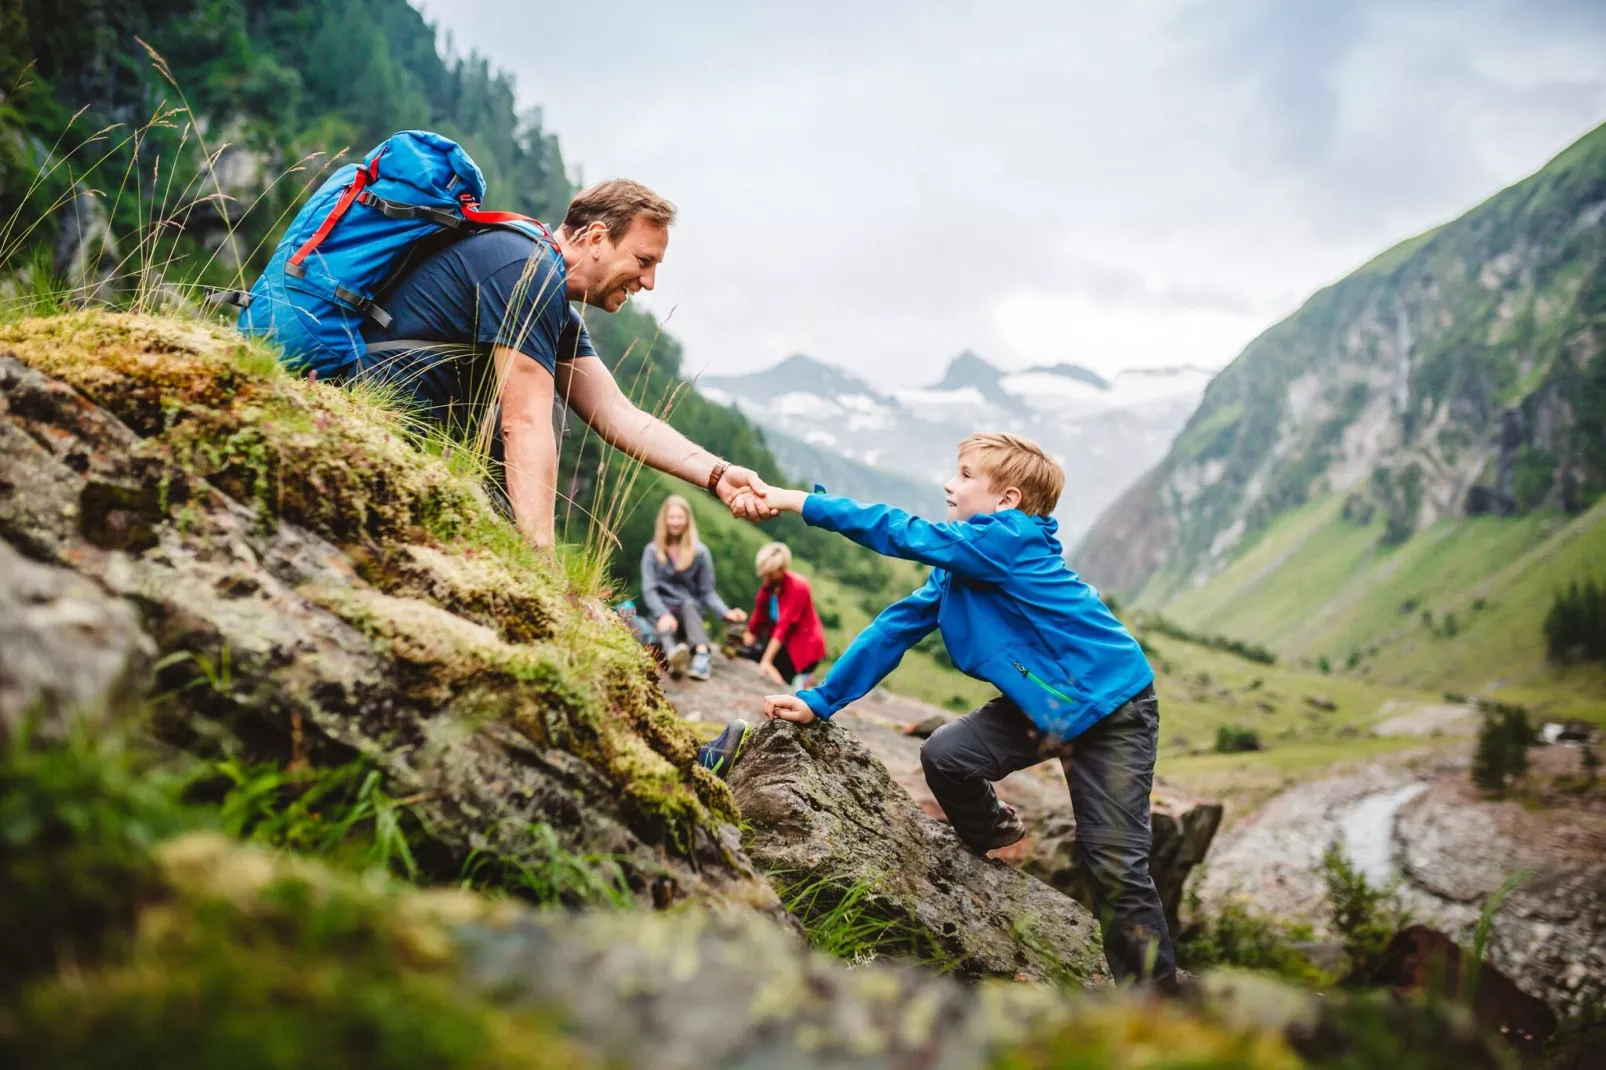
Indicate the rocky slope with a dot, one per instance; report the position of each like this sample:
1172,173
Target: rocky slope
311,587
1105,432
1460,372
1450,851
236,567
886,776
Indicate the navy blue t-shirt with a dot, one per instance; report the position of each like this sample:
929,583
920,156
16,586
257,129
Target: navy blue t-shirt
482,291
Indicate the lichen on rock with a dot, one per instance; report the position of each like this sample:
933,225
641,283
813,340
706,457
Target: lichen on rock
821,809
320,580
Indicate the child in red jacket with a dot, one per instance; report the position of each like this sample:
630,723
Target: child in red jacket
784,633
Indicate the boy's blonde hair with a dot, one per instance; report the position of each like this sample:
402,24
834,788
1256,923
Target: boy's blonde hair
1012,461
772,556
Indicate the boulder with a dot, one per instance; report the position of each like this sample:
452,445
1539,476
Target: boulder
277,550
1425,961
927,727
825,819
1182,827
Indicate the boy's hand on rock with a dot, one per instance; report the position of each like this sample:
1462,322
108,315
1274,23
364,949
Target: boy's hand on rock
787,708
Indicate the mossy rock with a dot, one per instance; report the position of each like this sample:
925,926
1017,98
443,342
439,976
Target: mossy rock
320,581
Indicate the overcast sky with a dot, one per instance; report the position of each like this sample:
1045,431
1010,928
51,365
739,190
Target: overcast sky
883,184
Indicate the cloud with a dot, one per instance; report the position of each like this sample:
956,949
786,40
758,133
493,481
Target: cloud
884,185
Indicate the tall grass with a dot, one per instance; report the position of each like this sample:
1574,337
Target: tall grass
853,921
136,191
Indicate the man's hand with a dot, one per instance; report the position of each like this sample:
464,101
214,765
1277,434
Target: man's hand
742,490
736,616
787,708
666,623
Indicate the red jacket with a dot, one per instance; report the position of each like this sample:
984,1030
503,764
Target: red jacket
799,629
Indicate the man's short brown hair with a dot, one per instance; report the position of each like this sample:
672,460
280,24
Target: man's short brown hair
1012,461
616,203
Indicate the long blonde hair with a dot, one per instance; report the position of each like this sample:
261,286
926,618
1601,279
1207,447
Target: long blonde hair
686,546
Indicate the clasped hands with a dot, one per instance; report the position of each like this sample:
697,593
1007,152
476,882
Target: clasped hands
750,498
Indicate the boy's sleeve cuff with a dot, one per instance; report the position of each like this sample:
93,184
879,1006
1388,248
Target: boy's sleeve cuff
816,702
812,506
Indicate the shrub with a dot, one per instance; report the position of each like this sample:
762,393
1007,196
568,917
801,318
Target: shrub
1575,627
1239,938
1232,739
1366,918
1503,743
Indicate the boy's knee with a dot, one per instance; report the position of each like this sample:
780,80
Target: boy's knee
944,752
1121,869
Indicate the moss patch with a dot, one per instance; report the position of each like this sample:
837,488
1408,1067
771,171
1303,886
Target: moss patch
480,622
256,960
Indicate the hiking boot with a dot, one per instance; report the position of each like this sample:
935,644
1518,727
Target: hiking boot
699,666
718,757
1008,829
679,659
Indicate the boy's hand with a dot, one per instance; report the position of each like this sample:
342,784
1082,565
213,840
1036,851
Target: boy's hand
784,500
736,616
787,708
767,669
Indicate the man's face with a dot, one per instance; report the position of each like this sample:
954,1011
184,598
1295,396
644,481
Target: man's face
610,271
970,492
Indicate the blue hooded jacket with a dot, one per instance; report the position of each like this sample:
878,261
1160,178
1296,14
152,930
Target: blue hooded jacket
1011,613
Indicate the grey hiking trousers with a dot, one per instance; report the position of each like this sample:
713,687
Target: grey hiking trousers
1110,770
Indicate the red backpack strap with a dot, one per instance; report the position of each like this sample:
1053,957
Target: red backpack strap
474,214
363,177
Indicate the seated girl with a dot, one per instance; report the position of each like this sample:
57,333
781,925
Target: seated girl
677,585
784,634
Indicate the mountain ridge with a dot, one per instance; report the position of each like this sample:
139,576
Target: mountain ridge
1442,377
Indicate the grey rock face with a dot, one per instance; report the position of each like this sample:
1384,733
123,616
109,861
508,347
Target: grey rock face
66,647
821,807
703,989
290,649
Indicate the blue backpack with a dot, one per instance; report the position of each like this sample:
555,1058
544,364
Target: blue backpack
358,234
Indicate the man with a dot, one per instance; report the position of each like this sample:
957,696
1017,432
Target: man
482,336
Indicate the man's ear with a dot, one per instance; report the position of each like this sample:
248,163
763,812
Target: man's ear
1010,499
595,232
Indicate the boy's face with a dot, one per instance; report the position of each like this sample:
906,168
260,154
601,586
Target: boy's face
970,493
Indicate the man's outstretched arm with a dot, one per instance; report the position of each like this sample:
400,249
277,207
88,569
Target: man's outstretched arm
587,386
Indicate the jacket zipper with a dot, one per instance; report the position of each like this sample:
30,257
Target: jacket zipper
1044,684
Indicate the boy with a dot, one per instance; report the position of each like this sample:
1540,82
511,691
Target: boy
1013,614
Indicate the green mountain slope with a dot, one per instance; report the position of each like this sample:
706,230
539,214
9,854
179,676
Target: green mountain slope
1459,608
1396,480
1458,372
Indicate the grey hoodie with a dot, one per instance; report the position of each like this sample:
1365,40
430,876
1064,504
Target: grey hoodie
662,584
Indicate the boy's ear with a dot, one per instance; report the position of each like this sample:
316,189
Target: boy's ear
1010,499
